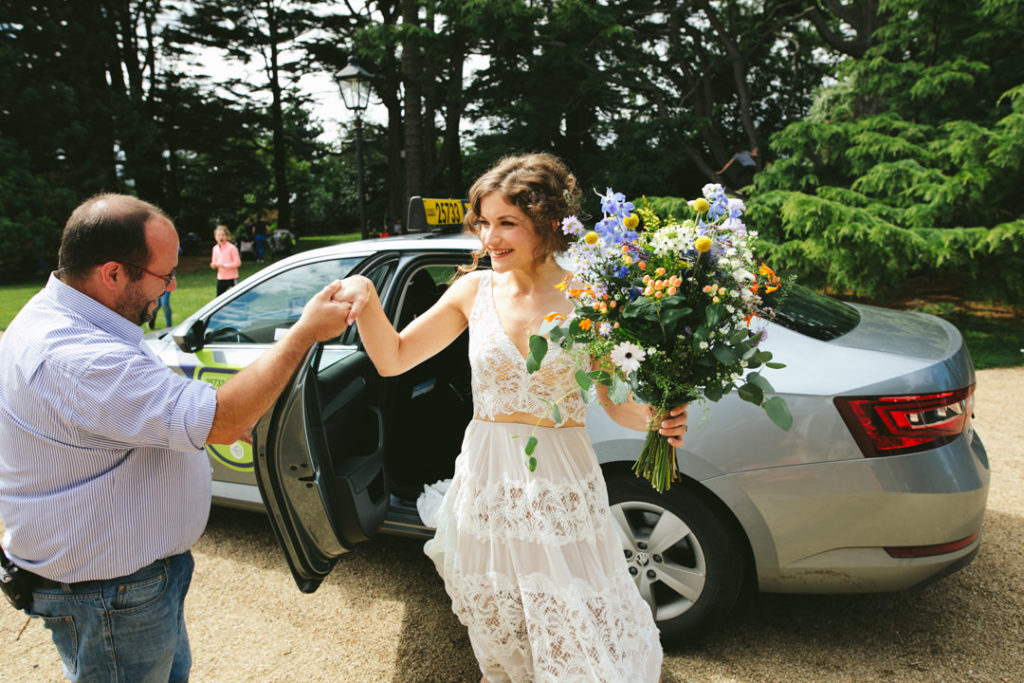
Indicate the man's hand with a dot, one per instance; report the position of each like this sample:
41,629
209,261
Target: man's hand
324,317
355,291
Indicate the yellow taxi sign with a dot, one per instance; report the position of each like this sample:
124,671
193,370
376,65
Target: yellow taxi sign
443,211
429,214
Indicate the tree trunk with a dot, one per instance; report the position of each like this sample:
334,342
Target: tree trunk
280,162
411,74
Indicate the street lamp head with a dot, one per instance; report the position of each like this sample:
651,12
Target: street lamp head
354,83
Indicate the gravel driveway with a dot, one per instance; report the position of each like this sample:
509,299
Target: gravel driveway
383,614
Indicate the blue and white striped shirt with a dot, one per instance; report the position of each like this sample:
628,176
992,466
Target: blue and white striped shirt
102,468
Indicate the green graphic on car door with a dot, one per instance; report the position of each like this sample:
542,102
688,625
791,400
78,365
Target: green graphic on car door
236,456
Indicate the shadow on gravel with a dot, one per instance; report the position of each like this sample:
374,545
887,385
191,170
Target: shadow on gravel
968,626
432,638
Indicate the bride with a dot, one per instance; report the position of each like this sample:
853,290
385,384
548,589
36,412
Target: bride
530,560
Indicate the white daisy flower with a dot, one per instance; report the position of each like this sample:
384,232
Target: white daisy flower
628,356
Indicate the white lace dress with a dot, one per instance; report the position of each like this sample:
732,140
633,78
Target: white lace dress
531,560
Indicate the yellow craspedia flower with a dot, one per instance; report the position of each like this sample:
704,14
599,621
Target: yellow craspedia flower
591,237
702,244
631,221
701,205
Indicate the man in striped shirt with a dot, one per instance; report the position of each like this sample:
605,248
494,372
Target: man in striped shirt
104,483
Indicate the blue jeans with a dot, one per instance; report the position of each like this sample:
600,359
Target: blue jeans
129,629
260,242
164,302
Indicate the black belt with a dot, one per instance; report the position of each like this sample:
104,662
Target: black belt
43,582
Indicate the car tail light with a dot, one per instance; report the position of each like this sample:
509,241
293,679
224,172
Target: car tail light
894,425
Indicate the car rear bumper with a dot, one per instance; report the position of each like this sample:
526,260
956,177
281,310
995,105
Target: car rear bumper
825,527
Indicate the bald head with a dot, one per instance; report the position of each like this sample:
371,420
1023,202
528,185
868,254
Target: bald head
107,227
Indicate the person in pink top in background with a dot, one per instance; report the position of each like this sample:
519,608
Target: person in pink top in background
225,260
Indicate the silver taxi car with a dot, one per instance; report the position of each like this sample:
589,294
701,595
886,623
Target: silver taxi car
880,485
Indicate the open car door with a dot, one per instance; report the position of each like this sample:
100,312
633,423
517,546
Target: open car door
319,461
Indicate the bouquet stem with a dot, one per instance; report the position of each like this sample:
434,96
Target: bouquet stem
657,461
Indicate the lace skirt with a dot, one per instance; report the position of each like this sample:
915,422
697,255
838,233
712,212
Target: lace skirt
533,565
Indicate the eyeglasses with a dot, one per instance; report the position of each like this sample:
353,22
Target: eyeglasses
168,279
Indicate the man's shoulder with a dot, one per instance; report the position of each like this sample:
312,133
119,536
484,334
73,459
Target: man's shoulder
63,338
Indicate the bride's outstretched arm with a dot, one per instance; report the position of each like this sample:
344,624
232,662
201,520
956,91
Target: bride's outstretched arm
392,352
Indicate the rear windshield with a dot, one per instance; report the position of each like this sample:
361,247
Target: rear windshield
818,316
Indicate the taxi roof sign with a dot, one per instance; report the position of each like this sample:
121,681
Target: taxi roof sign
427,214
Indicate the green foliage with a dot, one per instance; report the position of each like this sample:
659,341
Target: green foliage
911,164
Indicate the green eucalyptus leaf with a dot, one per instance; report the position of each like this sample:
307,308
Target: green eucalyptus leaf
531,464
714,315
619,392
642,308
751,393
556,414
763,384
583,379
531,445
600,376
778,412
713,392
724,354
548,326
775,366
671,316
538,348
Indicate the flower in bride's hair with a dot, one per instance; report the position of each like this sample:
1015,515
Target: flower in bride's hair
572,225
628,356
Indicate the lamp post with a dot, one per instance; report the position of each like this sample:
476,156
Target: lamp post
354,83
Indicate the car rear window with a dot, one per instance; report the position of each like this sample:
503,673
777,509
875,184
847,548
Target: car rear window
818,316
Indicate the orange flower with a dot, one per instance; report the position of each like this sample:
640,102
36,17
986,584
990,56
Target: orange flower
585,324
772,280
555,316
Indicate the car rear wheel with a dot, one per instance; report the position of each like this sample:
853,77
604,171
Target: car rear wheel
683,554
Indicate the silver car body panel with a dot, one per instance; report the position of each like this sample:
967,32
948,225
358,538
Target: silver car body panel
816,512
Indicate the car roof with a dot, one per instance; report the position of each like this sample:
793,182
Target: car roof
414,242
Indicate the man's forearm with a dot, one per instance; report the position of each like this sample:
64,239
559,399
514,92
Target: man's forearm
243,399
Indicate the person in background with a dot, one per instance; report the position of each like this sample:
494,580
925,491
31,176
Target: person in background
746,166
104,483
259,238
164,303
225,259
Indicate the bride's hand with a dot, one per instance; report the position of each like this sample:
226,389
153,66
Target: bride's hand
674,426
357,291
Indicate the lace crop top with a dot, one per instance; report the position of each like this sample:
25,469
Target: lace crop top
501,384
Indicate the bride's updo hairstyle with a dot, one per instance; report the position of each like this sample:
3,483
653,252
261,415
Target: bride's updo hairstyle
541,186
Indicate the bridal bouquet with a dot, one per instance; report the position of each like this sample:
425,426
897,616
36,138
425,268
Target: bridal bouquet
672,311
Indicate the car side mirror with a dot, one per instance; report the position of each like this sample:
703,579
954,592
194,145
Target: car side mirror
190,339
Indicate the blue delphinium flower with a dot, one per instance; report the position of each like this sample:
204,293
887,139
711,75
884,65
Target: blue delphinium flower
615,204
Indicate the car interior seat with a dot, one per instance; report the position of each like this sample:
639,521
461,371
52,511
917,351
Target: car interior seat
431,404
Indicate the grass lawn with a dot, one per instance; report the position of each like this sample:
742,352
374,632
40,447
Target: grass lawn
995,334
197,283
